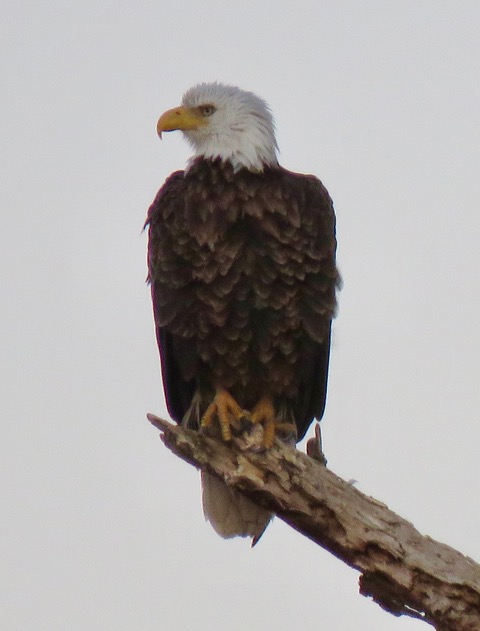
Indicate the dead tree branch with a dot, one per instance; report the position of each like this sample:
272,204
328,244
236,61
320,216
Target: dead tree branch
404,572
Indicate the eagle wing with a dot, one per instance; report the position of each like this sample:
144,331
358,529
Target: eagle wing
177,355
313,261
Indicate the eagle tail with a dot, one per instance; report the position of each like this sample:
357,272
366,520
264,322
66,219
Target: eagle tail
230,513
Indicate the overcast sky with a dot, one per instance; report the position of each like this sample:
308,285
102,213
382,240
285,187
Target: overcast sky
101,527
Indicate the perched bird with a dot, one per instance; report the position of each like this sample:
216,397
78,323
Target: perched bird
241,262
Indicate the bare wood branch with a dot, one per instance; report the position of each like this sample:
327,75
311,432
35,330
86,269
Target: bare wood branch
404,572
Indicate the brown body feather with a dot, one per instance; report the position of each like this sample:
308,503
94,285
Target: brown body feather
243,278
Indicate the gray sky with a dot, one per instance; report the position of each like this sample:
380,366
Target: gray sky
101,527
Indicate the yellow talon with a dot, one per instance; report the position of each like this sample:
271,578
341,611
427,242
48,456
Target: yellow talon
264,413
226,409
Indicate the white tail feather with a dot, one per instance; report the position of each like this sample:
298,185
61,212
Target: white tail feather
231,513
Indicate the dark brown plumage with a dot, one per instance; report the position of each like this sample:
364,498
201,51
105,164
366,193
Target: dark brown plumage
243,279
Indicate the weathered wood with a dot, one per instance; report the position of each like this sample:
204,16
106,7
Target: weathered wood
403,571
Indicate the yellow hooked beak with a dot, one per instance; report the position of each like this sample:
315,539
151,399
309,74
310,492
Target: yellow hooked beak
182,118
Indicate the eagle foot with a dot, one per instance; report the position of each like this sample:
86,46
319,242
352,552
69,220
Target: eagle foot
264,413
229,414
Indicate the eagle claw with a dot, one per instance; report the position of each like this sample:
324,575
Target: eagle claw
229,414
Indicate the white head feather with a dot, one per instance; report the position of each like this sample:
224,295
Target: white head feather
240,127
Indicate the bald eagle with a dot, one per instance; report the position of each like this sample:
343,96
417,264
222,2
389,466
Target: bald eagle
241,262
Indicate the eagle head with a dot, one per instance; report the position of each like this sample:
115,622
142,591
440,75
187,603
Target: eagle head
223,121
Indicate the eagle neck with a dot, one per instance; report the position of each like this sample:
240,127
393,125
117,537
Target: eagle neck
226,165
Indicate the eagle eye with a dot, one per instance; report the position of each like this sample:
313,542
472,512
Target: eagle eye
206,110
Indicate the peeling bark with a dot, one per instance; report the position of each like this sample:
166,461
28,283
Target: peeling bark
405,572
